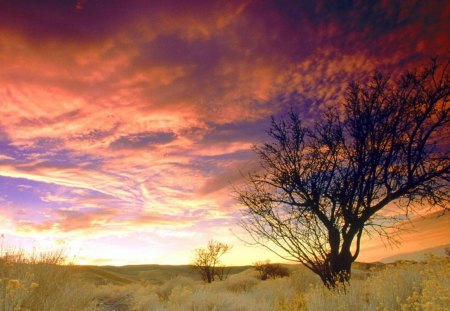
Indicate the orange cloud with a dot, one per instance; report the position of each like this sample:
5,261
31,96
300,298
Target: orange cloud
124,116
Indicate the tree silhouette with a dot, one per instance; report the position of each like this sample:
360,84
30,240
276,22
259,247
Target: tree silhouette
207,261
321,187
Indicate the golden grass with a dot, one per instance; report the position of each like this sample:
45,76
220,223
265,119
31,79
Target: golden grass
404,287
43,283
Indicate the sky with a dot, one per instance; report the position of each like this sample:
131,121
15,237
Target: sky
124,123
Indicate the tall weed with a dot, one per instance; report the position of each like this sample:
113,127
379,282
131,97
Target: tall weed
41,282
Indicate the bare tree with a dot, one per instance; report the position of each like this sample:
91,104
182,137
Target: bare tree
207,261
322,186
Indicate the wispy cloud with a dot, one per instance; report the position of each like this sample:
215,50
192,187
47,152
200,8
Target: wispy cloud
125,116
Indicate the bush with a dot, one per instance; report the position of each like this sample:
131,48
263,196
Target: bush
269,270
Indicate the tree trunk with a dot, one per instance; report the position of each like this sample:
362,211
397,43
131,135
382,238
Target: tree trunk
209,276
337,268
341,266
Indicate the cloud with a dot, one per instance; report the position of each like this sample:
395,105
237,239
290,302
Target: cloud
150,109
229,177
142,140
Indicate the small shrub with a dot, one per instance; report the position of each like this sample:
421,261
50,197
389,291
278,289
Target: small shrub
269,270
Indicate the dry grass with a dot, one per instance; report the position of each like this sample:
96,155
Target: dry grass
403,287
42,283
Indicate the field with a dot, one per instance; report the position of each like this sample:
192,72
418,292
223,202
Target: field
42,283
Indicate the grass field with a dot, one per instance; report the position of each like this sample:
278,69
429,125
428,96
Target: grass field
42,283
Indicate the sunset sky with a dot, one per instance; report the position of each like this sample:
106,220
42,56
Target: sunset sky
124,123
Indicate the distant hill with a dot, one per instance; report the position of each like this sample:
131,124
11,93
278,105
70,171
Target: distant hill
156,274
101,276
418,256
159,274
